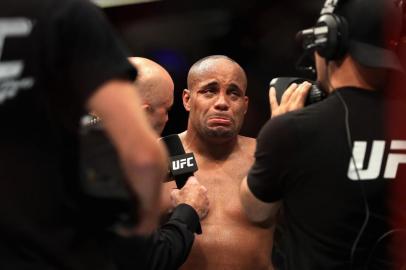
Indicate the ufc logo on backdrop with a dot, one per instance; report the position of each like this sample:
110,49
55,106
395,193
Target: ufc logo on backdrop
11,70
375,164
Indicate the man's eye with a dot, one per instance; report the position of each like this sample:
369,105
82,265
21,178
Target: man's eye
235,94
208,92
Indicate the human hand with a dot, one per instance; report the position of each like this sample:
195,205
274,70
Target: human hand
293,98
193,194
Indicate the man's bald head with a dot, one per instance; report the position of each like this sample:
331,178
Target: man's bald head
215,98
155,87
206,64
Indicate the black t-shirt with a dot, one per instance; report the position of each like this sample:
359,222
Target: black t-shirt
303,160
54,54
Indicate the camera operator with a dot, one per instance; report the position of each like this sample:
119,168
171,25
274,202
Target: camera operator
330,165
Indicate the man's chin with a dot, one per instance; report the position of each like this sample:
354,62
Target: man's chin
221,132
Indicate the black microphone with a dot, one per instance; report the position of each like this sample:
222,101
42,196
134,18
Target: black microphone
181,165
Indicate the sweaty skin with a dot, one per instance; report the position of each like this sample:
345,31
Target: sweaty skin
216,102
229,240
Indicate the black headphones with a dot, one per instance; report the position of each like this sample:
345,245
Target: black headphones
329,37
336,39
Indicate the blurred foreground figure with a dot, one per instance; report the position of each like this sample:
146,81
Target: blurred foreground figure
59,59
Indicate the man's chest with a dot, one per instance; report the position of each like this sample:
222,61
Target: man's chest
222,180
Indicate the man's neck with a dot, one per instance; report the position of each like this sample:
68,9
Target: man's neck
213,148
350,73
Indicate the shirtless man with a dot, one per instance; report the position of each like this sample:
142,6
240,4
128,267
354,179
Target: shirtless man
216,102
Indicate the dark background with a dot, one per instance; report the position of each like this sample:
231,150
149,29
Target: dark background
259,35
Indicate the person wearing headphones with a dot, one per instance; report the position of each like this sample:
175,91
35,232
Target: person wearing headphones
330,166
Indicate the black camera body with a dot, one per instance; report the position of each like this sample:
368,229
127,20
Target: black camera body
281,84
102,181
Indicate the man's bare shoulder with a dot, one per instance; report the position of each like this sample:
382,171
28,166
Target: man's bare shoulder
247,143
182,137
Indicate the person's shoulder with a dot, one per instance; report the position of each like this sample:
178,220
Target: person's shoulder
246,140
300,123
65,3
247,143
309,115
182,136
74,2
66,8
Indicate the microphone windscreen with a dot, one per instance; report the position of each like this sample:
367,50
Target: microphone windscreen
182,165
173,145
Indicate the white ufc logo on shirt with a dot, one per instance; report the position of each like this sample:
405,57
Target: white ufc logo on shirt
11,70
374,166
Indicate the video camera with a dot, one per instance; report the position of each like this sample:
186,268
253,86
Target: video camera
281,84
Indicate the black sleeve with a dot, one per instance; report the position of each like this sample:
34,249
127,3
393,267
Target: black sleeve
274,159
88,53
173,241
167,248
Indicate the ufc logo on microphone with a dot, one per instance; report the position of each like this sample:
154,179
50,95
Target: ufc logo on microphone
375,163
180,164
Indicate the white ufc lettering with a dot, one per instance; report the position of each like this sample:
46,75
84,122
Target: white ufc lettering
395,159
374,168
180,164
12,27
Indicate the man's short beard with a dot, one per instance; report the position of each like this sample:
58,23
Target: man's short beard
220,132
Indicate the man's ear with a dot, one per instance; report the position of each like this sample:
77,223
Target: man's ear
147,108
246,101
186,99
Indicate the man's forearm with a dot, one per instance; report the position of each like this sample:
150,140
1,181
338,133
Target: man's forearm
143,158
174,240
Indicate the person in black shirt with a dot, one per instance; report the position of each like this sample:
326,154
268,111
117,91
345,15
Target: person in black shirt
329,166
60,58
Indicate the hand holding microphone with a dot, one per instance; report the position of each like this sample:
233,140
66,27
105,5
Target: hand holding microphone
193,194
181,165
